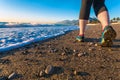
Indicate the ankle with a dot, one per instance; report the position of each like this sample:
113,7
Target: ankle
81,34
105,27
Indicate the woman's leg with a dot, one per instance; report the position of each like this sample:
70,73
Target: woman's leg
104,19
108,33
84,15
82,25
101,12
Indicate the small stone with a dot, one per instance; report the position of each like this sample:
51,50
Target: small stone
61,59
63,54
49,69
109,49
74,50
25,52
117,60
12,76
42,73
84,53
49,46
110,78
74,54
75,72
91,49
96,44
53,50
80,54
90,43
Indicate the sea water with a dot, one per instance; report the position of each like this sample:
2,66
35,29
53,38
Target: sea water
11,38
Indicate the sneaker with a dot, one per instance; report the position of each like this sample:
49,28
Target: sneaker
108,35
80,38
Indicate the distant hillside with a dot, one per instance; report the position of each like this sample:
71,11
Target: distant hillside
68,22
61,23
75,22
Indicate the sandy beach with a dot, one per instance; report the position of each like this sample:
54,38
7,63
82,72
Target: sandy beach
68,59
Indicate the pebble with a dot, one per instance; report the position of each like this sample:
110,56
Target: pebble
63,54
53,50
91,43
75,72
74,54
91,49
80,54
49,69
49,46
74,50
109,49
117,60
42,73
12,76
110,78
99,49
96,44
25,52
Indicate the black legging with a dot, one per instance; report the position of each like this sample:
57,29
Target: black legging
98,6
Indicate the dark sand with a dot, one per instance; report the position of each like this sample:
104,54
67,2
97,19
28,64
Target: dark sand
64,53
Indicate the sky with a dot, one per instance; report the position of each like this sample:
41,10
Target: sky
47,11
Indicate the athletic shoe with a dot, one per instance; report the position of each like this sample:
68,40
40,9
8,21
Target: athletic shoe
80,38
108,35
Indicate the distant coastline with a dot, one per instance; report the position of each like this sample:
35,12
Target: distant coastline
91,21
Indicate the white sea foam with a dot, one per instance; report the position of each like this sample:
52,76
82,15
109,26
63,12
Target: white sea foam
11,38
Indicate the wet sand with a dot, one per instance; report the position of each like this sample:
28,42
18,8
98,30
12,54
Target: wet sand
71,60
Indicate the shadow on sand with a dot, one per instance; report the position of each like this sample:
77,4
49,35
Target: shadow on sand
97,40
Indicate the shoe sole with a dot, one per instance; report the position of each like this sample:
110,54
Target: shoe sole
107,43
79,40
109,36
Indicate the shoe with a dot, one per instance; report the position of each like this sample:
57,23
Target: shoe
108,35
80,38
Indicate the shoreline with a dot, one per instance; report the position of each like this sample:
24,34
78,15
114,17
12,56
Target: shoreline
33,40
72,60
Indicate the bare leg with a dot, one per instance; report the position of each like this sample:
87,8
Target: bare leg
104,19
82,25
109,34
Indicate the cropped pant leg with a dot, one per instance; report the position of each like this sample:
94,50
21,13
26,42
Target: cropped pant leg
98,5
85,9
